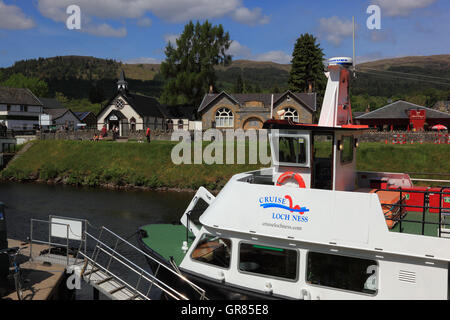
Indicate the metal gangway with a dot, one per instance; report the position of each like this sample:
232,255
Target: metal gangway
108,262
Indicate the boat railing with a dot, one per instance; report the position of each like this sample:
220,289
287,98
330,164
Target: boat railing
105,257
427,202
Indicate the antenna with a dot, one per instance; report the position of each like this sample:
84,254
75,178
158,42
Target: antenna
271,108
354,55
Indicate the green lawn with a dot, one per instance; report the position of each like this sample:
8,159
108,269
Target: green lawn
150,165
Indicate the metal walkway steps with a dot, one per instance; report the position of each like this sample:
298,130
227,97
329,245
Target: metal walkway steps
100,268
107,262
108,285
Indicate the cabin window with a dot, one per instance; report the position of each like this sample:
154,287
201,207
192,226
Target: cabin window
213,250
293,150
340,272
224,118
347,149
268,261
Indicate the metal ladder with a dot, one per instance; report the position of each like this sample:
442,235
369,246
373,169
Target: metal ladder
96,269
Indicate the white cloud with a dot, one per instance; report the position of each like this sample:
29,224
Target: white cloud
144,22
184,10
275,56
104,30
171,11
401,7
143,60
12,18
251,17
385,35
335,30
172,38
240,51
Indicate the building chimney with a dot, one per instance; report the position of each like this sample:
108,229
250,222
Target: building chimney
210,88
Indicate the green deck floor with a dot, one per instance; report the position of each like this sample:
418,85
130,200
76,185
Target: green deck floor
415,227
167,240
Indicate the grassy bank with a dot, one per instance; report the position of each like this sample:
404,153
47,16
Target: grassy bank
110,163
149,165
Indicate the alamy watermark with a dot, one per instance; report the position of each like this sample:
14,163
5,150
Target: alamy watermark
73,22
221,147
374,20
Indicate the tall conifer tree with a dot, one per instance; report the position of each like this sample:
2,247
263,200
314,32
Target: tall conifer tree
307,65
189,66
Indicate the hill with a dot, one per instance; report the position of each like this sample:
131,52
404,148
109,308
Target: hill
422,80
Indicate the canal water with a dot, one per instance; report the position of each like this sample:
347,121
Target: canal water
123,212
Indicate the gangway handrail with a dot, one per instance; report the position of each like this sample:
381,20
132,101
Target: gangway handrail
141,275
134,265
159,263
115,276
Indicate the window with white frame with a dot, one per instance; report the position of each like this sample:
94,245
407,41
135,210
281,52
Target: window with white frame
224,118
290,114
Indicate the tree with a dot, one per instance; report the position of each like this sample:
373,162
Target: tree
96,94
239,85
189,66
307,66
35,85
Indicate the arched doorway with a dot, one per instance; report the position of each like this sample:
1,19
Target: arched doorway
170,125
133,124
116,119
253,123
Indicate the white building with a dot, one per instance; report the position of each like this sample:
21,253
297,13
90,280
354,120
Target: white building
19,109
130,112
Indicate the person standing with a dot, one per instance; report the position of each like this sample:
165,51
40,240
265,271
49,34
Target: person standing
104,130
147,134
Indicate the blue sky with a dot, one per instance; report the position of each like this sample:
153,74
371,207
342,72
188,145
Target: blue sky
138,30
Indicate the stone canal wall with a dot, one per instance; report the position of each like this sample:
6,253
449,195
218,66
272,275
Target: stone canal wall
89,134
397,137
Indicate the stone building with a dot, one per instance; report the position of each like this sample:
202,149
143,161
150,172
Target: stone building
251,110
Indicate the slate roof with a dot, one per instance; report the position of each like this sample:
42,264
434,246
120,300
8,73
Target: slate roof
82,115
18,96
180,112
51,103
399,110
145,106
57,113
308,99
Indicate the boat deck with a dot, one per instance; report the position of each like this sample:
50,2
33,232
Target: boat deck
167,246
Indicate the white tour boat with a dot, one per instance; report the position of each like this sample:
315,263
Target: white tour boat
311,226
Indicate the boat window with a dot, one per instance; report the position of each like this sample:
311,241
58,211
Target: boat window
348,273
268,261
213,250
293,150
347,149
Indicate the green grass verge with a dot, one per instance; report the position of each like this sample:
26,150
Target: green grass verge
150,165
